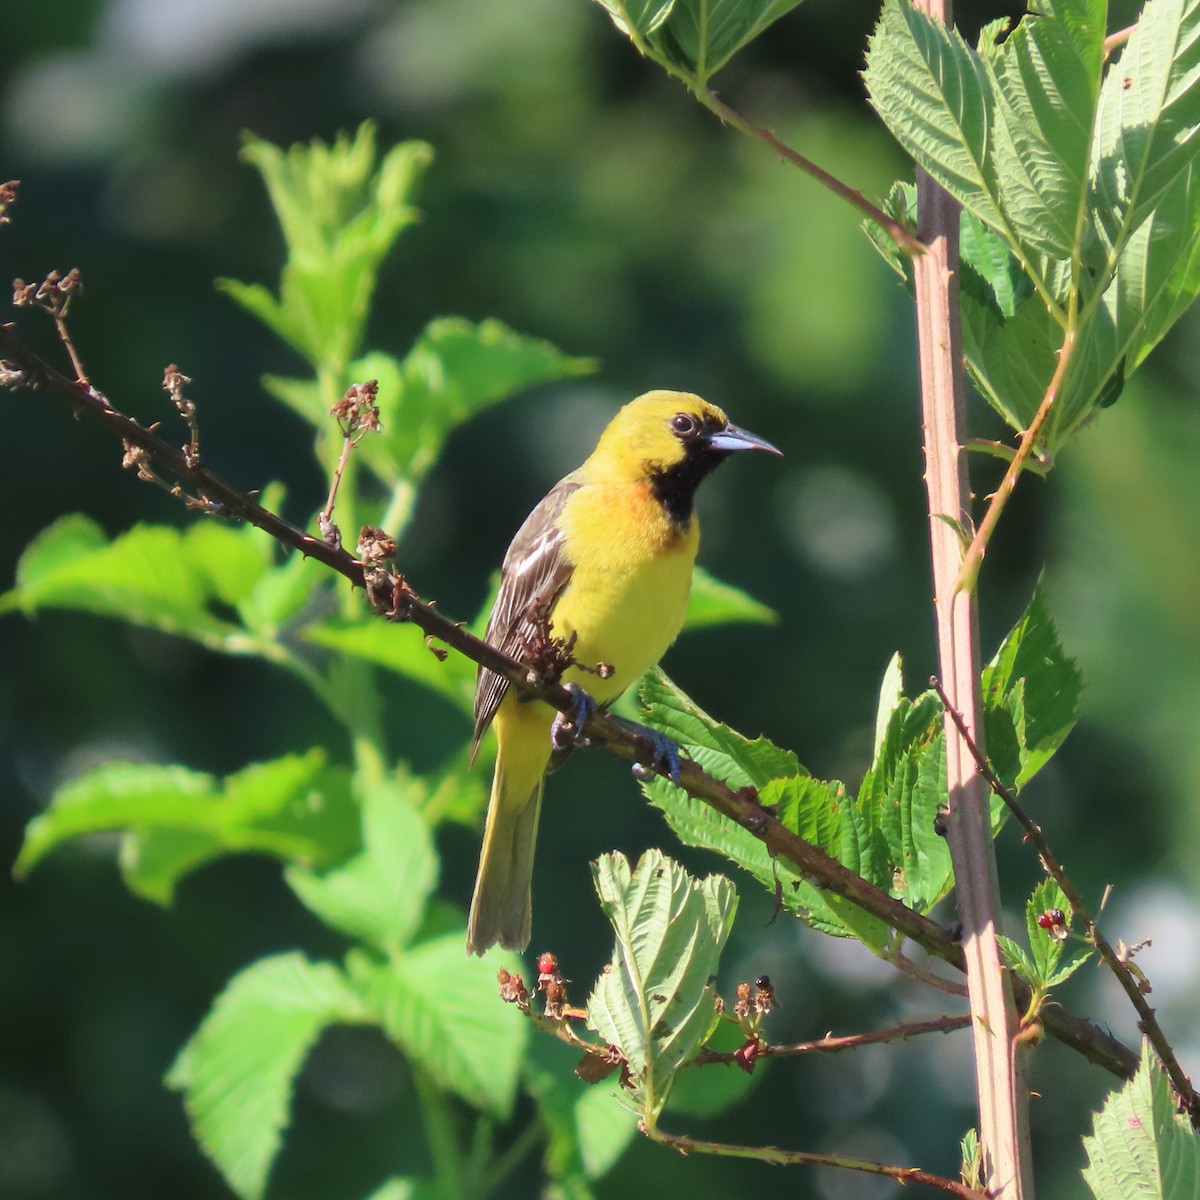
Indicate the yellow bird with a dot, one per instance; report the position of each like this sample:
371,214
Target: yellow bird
608,556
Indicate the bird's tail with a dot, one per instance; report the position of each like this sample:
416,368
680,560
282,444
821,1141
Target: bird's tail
501,908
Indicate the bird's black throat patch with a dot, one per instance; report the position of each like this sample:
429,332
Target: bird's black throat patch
674,487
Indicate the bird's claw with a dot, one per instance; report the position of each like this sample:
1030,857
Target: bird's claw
665,761
567,728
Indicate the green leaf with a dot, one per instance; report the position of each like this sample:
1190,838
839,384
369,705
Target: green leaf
901,795
695,37
1031,696
1046,77
442,1009
715,603
1141,1147
378,896
454,370
1017,958
153,575
932,92
711,1090
1148,125
738,761
1011,360
340,213
807,806
238,1069
403,649
991,275
655,1000
174,819
588,1127
1045,950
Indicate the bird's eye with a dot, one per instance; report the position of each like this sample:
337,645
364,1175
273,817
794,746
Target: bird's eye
683,424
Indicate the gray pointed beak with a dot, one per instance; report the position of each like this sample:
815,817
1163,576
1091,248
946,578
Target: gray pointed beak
733,438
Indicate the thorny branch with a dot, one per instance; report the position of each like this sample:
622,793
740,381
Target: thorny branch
1116,962
600,1062
390,595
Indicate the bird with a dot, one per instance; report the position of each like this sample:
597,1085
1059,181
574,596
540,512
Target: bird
604,563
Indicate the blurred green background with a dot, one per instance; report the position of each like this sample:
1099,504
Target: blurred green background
582,197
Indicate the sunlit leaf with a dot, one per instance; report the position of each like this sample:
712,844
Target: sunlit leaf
1141,1147
695,37
713,602
174,819
442,1009
238,1069
655,1000
932,92
402,649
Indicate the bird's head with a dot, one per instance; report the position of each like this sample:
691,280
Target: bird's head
672,440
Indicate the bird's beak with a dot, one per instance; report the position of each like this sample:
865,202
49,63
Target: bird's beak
733,438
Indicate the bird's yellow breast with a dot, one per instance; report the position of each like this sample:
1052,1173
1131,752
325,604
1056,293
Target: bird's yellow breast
632,574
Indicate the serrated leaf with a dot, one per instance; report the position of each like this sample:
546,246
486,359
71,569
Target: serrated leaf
1148,124
1031,696
402,649
1017,958
722,752
713,602
238,1069
1046,78
174,819
891,693
932,92
441,1008
379,895
991,275
340,212
900,797
1045,949
153,575
655,1000
697,824
1141,1147
695,37
1011,360
704,1092
454,370
589,1127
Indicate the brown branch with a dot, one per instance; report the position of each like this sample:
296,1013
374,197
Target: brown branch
390,595
835,1045
1001,1089
1148,1022
905,241
969,571
774,1154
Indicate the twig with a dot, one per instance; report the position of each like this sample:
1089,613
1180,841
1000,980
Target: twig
906,243
969,571
390,595
1148,1022
850,1041
774,1154
914,970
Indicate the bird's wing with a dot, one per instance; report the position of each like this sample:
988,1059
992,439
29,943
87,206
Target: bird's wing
534,573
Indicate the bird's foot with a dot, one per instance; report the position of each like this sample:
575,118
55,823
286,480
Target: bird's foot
567,729
666,759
